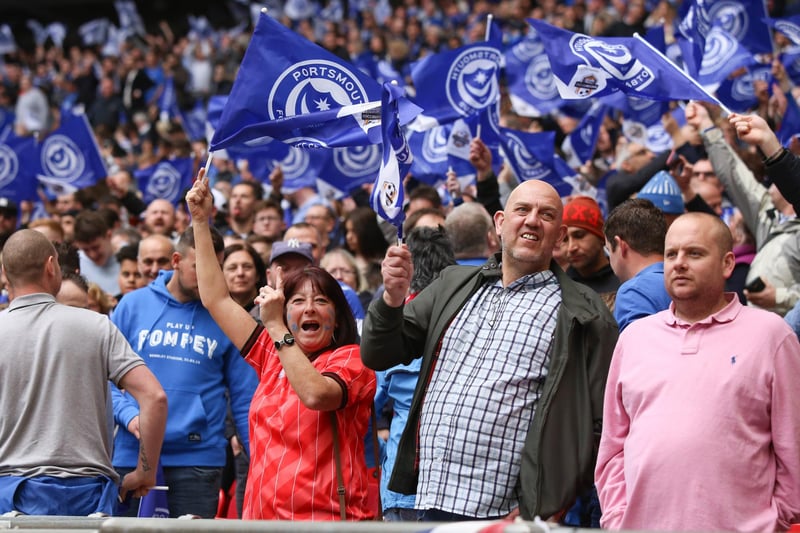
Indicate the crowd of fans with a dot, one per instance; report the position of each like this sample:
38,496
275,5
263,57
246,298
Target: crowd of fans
111,243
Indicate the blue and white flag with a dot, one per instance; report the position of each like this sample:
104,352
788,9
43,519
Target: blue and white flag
738,93
789,26
457,83
531,84
18,156
642,120
130,22
57,32
742,19
69,158
301,168
113,42
532,157
790,58
429,149
199,27
7,43
38,31
387,194
711,56
291,89
94,32
580,144
586,66
352,166
166,180
300,9
790,125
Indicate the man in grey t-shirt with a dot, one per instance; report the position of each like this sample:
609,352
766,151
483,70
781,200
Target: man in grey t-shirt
56,361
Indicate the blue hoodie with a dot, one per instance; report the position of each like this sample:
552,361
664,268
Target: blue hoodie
196,364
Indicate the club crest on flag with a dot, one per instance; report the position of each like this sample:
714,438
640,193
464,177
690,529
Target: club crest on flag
9,165
720,48
388,194
472,79
165,183
357,161
434,145
615,59
528,165
314,85
587,83
295,164
61,157
732,15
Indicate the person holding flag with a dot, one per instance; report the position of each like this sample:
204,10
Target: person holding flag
505,347
314,393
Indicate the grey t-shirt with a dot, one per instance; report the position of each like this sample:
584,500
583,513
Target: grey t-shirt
55,364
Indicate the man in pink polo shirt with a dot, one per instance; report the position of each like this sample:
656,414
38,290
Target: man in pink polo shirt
701,420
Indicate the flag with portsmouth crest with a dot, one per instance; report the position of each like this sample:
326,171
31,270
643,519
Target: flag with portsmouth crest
532,157
18,157
387,194
69,158
531,85
455,84
165,180
291,89
586,67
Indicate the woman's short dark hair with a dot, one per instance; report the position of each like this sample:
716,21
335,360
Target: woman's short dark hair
345,331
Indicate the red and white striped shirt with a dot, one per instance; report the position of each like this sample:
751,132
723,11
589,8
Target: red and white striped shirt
292,466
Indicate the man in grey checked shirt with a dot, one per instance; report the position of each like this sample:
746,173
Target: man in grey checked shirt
507,414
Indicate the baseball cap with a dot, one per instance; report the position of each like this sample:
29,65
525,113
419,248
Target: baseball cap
8,207
664,192
292,246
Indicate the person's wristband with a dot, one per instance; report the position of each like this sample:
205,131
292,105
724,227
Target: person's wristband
775,156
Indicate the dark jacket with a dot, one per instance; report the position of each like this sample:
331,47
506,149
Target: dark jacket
560,449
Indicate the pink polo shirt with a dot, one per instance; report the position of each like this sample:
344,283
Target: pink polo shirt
701,424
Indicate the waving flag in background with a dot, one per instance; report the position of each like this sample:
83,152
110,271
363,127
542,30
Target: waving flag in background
352,166
532,157
790,58
789,26
531,85
69,158
7,43
166,180
738,93
293,90
457,83
18,157
130,22
579,145
429,149
711,53
387,194
642,120
94,32
743,20
586,66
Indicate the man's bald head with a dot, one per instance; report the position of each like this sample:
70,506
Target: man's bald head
26,255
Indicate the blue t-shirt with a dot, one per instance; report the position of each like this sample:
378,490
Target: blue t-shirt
642,295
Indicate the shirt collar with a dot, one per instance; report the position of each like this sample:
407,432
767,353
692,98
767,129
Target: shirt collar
724,315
